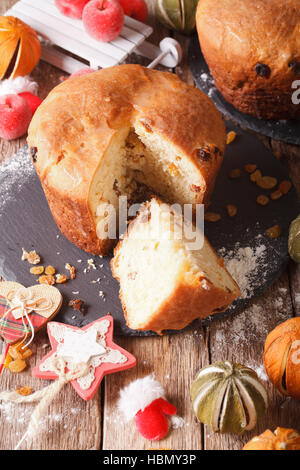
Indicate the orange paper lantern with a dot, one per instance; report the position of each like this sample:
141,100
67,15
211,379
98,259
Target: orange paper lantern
20,48
282,357
281,439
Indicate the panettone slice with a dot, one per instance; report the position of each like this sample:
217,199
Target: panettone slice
165,283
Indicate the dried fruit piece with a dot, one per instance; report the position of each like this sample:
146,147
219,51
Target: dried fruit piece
78,304
255,176
230,137
15,351
27,353
173,169
250,167
276,194
24,391
212,216
285,186
266,182
37,270
232,210
262,200
8,359
61,278
32,257
235,173
72,270
17,366
47,279
50,270
274,232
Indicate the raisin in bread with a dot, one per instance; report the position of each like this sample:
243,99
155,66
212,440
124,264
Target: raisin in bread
164,284
122,131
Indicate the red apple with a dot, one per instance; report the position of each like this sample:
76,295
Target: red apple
103,19
137,9
71,8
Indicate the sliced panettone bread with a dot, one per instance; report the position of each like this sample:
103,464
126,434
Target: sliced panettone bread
123,131
164,282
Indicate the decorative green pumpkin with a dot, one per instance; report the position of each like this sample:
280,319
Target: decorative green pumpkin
228,397
177,14
294,240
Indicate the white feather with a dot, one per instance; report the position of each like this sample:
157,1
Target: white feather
18,85
138,395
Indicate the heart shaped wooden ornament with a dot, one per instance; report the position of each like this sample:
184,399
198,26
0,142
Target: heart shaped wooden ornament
24,311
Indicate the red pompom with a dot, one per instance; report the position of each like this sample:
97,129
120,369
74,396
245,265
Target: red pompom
152,422
71,8
103,19
137,9
15,116
33,100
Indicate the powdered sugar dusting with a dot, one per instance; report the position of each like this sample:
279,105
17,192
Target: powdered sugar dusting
14,172
247,265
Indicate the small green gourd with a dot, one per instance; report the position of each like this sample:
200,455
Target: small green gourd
229,397
179,15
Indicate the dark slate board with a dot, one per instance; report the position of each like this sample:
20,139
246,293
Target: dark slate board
285,131
26,221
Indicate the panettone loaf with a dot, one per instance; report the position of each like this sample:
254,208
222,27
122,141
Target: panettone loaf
252,48
122,131
164,282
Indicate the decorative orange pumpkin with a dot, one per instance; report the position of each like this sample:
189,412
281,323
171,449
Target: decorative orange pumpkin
281,439
282,357
20,48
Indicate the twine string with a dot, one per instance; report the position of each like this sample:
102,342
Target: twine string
24,300
46,395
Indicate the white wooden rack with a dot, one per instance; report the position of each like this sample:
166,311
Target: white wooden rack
69,34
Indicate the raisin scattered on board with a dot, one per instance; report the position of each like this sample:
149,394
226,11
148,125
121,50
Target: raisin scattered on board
266,182
37,270
50,270
232,210
276,195
255,176
230,137
274,232
47,279
78,304
262,200
235,173
212,217
285,186
250,167
61,278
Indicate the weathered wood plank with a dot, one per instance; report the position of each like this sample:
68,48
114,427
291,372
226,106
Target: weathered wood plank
71,423
240,338
173,359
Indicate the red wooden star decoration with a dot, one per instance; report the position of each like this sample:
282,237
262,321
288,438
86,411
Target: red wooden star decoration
92,344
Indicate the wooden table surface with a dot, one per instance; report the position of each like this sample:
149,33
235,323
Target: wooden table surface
74,424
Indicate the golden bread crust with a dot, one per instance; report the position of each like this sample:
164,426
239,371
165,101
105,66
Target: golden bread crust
239,37
74,126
